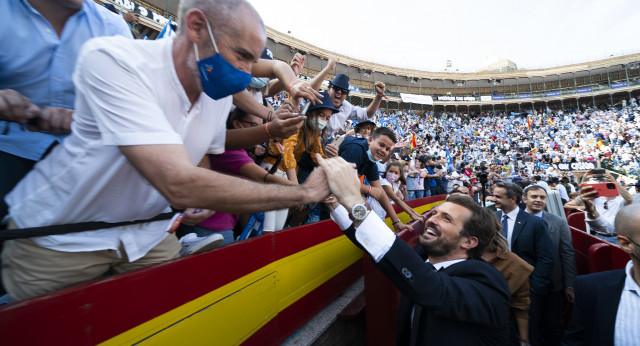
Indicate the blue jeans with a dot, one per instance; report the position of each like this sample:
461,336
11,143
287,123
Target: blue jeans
419,194
611,239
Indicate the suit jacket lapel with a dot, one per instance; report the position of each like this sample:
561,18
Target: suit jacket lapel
517,226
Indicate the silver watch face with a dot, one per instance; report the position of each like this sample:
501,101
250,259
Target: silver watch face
359,211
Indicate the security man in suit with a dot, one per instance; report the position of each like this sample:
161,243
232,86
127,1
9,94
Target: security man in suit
564,267
607,308
528,237
451,296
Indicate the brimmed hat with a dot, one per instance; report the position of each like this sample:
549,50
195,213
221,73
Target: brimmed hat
326,102
341,81
267,54
366,122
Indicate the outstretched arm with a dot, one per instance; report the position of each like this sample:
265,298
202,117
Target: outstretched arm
169,169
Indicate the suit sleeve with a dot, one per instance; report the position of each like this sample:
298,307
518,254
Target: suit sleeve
541,276
567,255
575,334
480,296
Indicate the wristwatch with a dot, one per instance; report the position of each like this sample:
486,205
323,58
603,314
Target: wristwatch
359,212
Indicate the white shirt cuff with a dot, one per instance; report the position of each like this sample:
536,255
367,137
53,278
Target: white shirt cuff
340,216
373,234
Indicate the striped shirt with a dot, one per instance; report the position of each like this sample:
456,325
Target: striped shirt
627,330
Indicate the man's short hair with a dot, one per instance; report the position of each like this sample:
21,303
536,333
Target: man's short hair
384,131
479,225
533,187
512,189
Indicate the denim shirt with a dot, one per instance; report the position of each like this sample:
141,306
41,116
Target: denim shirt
38,64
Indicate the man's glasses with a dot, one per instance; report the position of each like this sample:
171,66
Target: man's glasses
606,205
251,123
338,89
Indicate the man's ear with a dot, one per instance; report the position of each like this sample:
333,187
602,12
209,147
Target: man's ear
625,244
469,243
195,24
369,140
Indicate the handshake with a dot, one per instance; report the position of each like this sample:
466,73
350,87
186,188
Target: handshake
342,180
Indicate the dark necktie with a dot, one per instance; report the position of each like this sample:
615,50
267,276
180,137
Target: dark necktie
505,226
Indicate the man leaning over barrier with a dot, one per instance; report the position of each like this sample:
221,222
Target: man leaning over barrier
146,113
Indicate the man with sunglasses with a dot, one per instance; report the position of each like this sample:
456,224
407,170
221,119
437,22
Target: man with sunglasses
600,211
338,91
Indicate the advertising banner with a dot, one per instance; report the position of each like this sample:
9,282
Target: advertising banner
419,99
618,85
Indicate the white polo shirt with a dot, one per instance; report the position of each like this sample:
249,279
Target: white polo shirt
127,93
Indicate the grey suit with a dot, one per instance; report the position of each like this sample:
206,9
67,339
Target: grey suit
564,267
563,275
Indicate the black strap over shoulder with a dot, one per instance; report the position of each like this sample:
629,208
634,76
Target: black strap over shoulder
19,233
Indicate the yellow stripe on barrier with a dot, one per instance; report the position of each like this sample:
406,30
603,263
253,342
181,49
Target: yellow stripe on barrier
232,313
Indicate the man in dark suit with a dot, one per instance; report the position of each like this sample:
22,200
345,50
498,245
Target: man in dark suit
564,266
528,237
607,308
455,297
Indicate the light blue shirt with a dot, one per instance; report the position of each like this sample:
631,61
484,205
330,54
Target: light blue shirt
626,329
38,64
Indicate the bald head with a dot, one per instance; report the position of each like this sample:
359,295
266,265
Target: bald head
627,221
227,17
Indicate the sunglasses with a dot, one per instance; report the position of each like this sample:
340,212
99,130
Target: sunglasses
251,123
338,89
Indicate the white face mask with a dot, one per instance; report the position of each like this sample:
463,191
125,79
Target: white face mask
319,124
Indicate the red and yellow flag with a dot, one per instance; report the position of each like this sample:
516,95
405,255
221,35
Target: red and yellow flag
529,123
413,140
599,144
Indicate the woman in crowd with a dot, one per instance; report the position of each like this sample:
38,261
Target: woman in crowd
198,234
297,152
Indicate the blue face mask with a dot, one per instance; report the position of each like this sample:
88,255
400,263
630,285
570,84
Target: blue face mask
218,77
370,156
258,83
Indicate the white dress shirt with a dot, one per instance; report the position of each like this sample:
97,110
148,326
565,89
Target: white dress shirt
511,221
373,234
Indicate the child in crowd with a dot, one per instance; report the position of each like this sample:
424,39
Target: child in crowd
394,185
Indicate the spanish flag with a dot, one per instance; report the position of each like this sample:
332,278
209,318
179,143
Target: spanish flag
430,118
529,123
550,120
599,144
413,140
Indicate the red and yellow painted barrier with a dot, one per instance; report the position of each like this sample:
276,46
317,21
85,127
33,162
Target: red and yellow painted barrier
259,291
